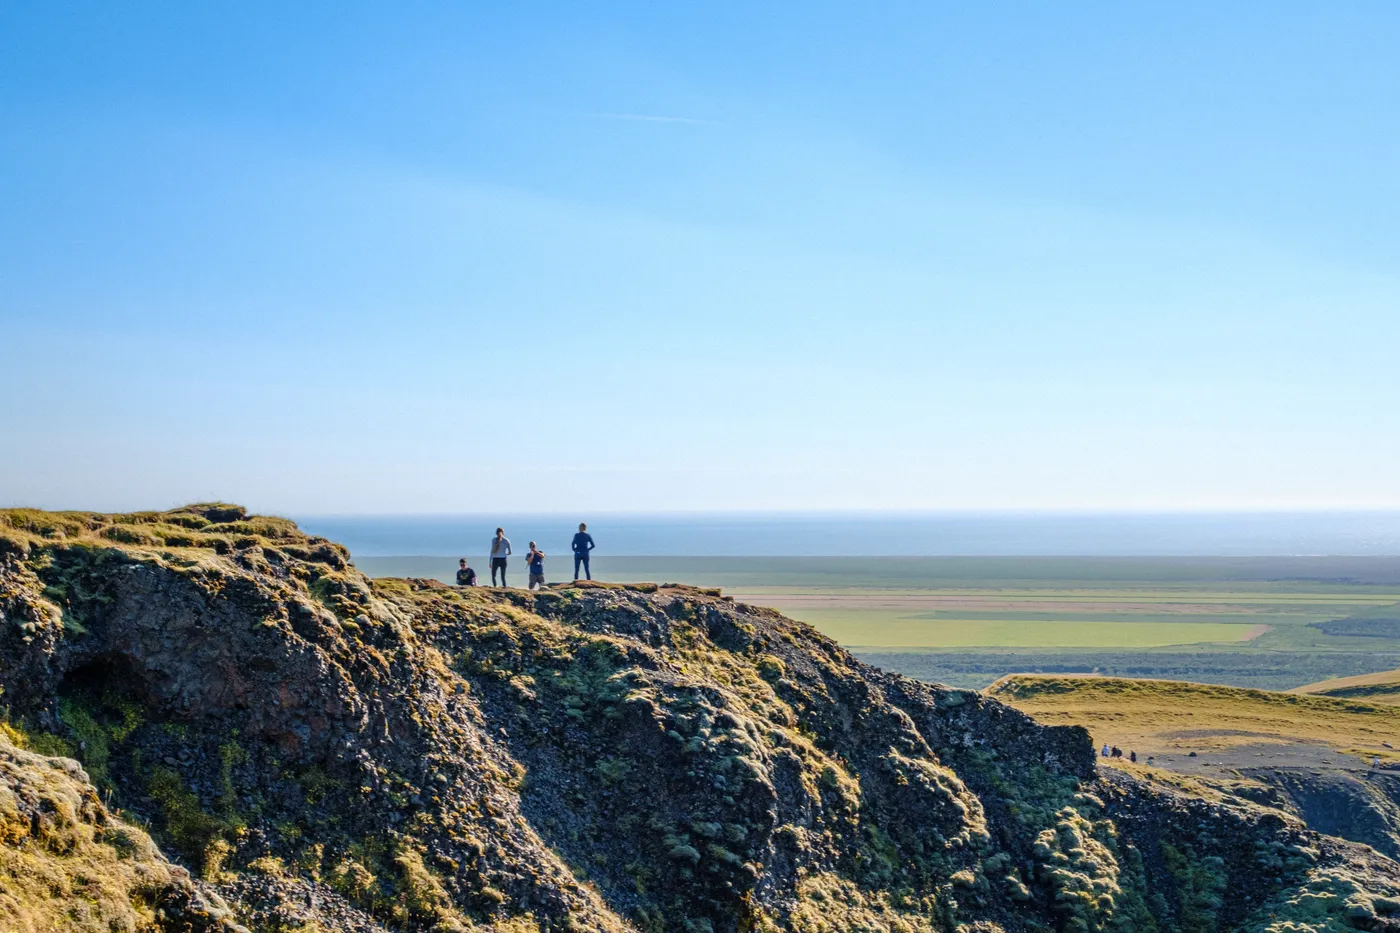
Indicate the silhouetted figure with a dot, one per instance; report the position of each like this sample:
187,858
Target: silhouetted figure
500,550
535,561
1117,752
1132,756
465,575
583,543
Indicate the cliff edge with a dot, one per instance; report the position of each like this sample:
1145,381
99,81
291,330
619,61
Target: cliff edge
315,750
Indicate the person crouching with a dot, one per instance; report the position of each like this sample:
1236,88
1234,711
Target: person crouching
465,575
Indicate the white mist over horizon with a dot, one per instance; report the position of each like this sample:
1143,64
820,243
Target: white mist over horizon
879,534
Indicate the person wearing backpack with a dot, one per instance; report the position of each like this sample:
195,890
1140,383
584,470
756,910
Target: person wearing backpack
583,543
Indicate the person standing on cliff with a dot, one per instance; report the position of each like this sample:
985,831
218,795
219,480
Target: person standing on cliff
465,575
583,543
535,561
500,550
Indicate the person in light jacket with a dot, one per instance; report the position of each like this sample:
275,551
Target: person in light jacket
500,550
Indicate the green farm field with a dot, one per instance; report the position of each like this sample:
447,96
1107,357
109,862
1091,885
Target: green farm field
1271,623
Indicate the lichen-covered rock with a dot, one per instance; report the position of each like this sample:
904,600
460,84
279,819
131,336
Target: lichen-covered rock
327,751
66,863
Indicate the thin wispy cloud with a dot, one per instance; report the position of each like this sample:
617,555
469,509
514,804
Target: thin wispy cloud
654,118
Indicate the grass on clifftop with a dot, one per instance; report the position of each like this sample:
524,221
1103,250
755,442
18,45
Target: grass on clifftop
1164,715
215,525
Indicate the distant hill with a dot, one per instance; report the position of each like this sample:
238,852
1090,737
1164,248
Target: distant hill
1382,687
1168,716
1310,755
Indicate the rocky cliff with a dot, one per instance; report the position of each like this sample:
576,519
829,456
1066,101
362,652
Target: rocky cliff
313,750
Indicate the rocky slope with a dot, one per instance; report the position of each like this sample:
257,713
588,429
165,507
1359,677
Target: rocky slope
67,864
326,752
1362,806
1330,761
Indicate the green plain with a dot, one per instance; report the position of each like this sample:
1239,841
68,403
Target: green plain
869,630
1250,622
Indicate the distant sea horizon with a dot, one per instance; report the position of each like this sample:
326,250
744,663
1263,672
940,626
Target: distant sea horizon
880,534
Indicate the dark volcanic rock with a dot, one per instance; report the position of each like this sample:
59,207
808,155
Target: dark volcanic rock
328,751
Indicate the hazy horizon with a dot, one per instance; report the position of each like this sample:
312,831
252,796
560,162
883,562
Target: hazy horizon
871,534
836,512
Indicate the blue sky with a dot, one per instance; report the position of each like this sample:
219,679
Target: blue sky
335,258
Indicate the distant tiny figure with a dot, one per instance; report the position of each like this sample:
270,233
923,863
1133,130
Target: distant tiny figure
1104,753
1375,761
1149,759
500,550
1116,752
583,543
1132,756
465,575
535,561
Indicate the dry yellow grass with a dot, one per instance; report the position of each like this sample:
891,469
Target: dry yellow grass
1382,688
65,863
1172,717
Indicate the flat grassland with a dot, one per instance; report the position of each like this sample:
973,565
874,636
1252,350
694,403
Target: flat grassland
1272,623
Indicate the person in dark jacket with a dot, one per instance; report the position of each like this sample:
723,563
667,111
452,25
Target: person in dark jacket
583,543
465,575
535,560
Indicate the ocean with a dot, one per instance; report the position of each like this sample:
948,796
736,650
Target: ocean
1259,534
